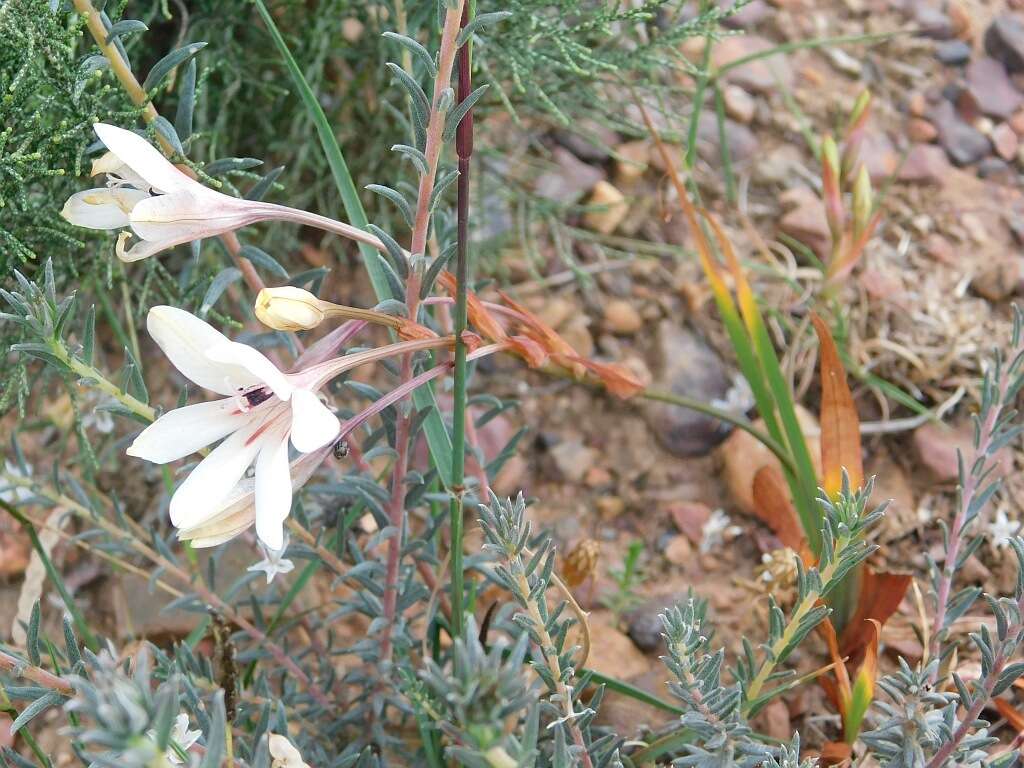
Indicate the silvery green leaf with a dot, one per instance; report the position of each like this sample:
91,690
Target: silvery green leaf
125,27
176,58
218,285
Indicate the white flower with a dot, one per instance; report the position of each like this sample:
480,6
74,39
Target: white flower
181,736
14,494
715,531
1002,529
163,206
284,753
263,409
273,561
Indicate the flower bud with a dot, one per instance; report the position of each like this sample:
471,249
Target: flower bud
289,309
863,201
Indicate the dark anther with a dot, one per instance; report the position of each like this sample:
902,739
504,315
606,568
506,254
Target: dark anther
256,396
340,449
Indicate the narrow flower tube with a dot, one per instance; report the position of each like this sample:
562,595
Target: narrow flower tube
164,206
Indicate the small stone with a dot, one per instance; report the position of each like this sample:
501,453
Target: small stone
1016,122
511,477
615,654
690,518
917,104
760,75
679,551
643,623
963,143
743,456
933,23
569,179
990,87
939,248
742,143
1005,141
577,334
953,53
598,477
15,548
773,721
879,155
920,130
610,507
622,318
937,446
925,164
750,15
588,140
634,157
1004,41
689,367
806,220
996,169
609,208
573,459
739,104
556,310
1000,280
352,29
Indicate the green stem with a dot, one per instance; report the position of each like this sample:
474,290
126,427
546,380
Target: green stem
729,418
464,149
100,382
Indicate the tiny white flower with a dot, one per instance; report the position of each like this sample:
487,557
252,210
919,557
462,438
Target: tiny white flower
1002,529
283,753
716,530
180,735
15,494
273,561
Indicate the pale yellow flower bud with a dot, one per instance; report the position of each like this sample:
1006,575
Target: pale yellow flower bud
289,309
863,200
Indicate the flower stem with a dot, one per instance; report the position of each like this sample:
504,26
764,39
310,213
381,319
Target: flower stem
464,149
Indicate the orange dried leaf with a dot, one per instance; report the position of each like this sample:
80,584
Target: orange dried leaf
773,507
1014,717
879,596
533,353
409,331
836,753
617,378
479,317
840,427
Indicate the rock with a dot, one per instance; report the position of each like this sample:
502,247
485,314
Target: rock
679,551
1004,41
937,446
917,104
805,220
991,88
879,155
614,654
925,164
739,105
15,547
953,53
573,459
610,208
1000,280
622,318
995,169
963,143
920,130
933,23
750,15
1004,140
511,477
556,310
773,721
624,714
610,507
760,75
643,623
742,456
588,140
690,517
689,367
939,248
634,157
1016,122
569,179
893,485
577,333
742,142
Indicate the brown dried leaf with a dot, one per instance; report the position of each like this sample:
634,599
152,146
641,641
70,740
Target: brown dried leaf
840,427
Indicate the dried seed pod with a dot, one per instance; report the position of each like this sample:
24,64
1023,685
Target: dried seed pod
581,562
